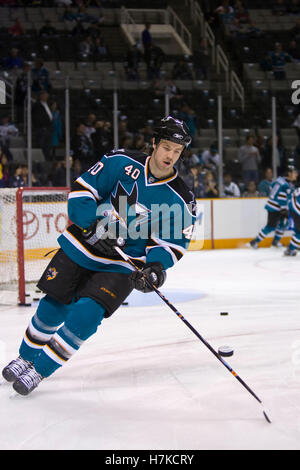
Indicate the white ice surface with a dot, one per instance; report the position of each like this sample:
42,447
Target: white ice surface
144,381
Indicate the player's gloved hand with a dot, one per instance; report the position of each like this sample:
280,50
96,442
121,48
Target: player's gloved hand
152,272
102,238
284,213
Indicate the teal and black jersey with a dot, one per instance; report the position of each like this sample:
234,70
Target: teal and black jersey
294,203
280,195
156,217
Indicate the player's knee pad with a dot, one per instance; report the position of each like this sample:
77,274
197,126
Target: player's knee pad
84,318
51,312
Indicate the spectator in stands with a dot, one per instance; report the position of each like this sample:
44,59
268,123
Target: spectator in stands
83,16
124,132
231,189
267,157
241,13
181,70
7,130
57,131
154,58
226,12
90,125
100,49
188,115
279,59
21,92
251,190
132,63
59,176
195,180
86,48
78,30
68,15
210,185
139,142
294,51
201,60
40,77
266,63
42,124
279,9
4,170
76,169
16,29
147,132
17,180
250,159
264,186
211,158
174,92
101,138
158,88
13,61
82,147
146,37
47,30
295,31
293,7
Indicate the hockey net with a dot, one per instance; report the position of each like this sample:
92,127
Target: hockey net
31,219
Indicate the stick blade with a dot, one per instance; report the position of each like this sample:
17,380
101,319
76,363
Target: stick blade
267,417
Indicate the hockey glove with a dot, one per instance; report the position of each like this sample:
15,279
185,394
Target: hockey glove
284,213
154,273
99,236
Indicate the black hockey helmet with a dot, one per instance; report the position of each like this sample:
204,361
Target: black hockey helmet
174,130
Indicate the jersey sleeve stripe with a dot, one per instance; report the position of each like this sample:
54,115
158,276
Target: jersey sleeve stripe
164,243
90,188
74,194
295,205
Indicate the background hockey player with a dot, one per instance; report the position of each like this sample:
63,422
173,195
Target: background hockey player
277,208
294,207
87,280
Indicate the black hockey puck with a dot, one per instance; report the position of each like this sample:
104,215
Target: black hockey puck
223,313
225,351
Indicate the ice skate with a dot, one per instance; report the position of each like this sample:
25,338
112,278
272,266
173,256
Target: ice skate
27,382
289,252
15,368
277,244
252,244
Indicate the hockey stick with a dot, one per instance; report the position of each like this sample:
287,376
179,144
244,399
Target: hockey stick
228,367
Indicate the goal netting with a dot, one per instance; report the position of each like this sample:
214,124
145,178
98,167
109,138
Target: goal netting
31,219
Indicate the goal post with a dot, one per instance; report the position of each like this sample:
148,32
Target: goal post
31,220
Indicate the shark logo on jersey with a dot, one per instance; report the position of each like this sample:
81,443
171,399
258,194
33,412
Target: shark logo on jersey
120,201
51,274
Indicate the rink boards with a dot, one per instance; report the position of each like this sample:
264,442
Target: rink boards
230,223
221,223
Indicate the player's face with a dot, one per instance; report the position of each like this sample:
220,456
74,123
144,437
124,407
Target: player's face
164,157
293,175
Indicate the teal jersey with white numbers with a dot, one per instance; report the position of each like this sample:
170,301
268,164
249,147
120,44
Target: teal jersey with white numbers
156,217
294,203
280,195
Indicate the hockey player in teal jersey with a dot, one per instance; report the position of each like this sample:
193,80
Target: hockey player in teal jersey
126,196
277,208
294,207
